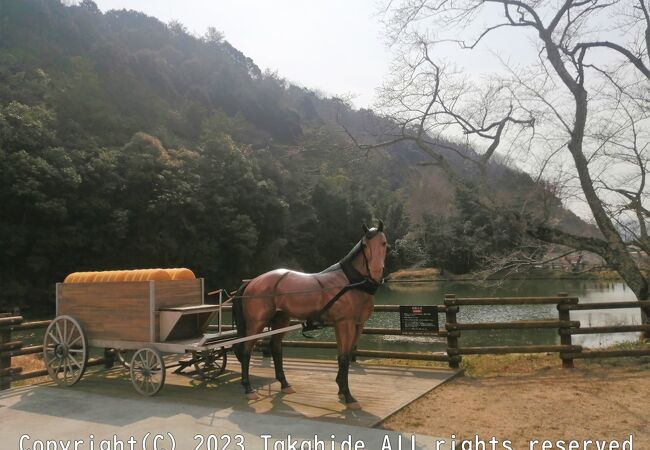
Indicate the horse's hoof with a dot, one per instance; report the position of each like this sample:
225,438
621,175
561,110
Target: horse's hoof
288,390
353,405
252,396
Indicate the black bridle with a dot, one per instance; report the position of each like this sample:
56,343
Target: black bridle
364,282
365,262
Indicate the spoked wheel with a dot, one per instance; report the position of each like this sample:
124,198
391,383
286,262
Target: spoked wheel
210,364
147,371
65,351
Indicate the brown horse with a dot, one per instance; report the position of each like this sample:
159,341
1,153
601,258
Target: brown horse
341,295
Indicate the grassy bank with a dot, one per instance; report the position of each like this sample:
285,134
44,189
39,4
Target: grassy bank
479,366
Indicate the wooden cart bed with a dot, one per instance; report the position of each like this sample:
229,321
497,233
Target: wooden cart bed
145,311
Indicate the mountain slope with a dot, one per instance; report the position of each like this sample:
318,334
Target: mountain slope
127,143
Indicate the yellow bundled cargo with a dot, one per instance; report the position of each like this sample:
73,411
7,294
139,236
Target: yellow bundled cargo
109,276
181,273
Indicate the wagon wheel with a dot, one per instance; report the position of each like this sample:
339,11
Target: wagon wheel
209,364
65,351
147,371
124,357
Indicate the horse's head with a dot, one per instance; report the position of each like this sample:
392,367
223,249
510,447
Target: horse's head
374,250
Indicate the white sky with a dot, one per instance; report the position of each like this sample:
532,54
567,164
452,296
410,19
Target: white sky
334,46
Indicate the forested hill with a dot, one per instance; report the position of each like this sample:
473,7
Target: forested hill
126,143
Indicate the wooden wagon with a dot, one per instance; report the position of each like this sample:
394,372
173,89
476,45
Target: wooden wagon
139,321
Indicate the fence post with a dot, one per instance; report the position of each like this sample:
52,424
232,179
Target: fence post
451,309
5,361
564,315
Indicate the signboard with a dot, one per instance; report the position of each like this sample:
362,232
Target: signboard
420,319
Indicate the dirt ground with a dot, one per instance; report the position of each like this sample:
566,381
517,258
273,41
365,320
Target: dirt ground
539,401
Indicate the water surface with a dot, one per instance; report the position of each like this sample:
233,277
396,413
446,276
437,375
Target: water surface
433,293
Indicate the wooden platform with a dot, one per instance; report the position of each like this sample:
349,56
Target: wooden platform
381,390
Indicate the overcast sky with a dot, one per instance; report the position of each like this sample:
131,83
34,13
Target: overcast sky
335,46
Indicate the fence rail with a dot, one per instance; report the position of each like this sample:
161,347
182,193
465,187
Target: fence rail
606,305
516,325
452,300
506,349
452,331
565,326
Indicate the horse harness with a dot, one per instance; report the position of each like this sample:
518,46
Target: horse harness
356,280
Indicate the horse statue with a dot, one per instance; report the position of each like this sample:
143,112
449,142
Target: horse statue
341,295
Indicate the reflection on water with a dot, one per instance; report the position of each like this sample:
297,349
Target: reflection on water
588,291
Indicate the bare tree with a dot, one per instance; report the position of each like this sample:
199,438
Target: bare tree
582,105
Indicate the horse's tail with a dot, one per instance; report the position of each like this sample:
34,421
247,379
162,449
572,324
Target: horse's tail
238,317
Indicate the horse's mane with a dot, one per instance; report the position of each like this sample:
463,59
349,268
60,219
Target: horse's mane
347,259
345,263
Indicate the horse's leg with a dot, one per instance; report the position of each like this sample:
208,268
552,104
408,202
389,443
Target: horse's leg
280,320
346,333
246,349
356,341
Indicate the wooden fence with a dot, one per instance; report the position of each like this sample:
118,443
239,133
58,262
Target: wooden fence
422,356
565,326
452,331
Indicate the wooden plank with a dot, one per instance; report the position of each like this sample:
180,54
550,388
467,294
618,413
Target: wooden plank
43,372
29,350
8,372
29,325
611,329
424,356
5,360
171,294
436,356
510,301
501,350
29,375
176,324
377,308
154,318
607,305
118,310
11,345
309,344
515,325
607,354
11,320
191,309
387,331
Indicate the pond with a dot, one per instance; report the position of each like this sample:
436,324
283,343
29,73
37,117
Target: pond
432,293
